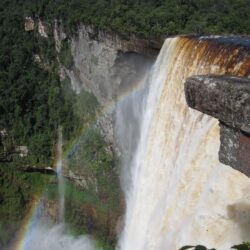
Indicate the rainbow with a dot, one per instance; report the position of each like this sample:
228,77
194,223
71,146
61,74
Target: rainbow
106,109
30,220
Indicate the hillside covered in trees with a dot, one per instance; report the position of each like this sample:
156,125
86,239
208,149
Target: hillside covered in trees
149,18
33,102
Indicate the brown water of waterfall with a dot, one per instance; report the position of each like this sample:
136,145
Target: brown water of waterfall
177,192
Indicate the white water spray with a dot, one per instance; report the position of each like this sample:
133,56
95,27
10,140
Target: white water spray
59,169
178,192
44,237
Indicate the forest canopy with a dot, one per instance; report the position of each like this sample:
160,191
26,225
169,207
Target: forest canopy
149,18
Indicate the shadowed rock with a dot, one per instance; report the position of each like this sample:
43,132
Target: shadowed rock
234,149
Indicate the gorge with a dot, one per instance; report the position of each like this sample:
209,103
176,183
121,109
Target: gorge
114,142
177,192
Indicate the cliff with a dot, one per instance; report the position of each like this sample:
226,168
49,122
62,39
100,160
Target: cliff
96,61
226,98
104,63
107,66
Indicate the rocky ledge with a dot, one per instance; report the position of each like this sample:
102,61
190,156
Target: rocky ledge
226,98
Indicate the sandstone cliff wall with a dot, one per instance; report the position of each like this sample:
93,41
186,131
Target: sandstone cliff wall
105,63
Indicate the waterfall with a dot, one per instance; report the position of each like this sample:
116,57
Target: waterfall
42,234
59,169
177,192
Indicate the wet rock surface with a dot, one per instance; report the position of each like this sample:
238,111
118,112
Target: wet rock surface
226,98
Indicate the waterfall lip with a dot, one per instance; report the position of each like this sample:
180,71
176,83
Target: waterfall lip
234,40
242,41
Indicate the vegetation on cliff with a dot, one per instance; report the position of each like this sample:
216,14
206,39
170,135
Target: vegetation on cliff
32,101
92,210
65,55
97,204
33,104
149,18
17,191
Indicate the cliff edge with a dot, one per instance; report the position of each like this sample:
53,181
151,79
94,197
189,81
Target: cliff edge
226,98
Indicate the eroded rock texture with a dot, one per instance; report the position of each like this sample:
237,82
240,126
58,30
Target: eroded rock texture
223,97
104,63
226,98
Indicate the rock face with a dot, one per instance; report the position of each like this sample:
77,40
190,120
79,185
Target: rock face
29,24
226,98
42,29
234,149
104,63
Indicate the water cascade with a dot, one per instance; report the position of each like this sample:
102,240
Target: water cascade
177,192
59,169
39,233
